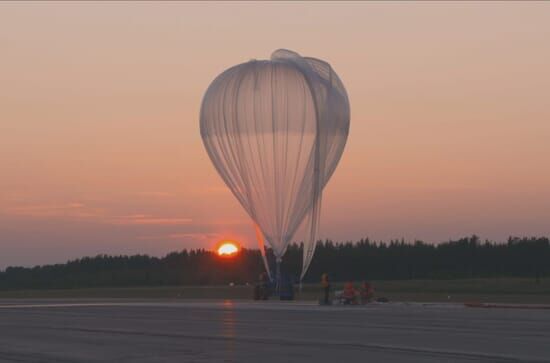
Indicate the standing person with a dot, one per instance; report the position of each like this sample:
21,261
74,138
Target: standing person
264,286
367,293
326,288
349,296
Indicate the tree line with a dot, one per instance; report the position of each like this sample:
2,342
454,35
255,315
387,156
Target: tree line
362,260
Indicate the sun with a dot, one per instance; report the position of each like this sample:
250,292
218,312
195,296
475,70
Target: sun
227,248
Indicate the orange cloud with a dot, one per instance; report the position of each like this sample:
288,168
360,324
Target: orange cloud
144,219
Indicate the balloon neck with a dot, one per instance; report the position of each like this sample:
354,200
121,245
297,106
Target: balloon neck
278,276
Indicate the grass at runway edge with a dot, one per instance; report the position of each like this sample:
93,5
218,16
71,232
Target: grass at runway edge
504,290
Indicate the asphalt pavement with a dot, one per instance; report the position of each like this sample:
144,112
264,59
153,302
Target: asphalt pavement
242,331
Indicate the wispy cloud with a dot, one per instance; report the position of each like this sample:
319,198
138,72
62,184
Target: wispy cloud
144,219
155,194
182,236
78,210
225,222
94,213
65,210
12,196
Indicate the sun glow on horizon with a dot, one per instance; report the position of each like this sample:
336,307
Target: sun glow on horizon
227,248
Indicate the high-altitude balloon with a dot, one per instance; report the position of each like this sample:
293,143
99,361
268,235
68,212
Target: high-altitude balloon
275,131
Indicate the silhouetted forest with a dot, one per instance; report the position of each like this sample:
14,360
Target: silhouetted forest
464,258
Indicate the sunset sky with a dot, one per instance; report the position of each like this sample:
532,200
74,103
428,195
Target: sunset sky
100,150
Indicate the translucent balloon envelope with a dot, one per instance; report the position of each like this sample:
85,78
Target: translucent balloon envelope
275,131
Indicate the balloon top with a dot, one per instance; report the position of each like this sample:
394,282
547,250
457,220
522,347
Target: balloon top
284,54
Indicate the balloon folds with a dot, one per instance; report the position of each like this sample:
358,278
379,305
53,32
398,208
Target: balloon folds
275,131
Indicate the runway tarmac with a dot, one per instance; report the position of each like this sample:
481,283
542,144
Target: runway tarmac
239,331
